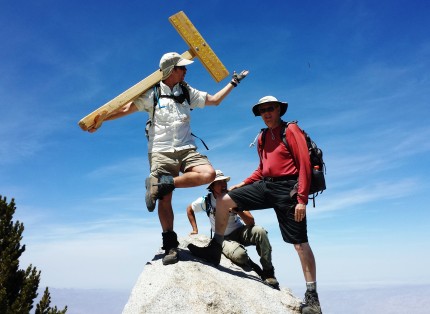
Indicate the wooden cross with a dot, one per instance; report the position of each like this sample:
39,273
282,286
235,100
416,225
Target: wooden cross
199,48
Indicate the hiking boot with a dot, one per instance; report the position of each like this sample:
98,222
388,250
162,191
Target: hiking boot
211,252
151,192
170,246
268,277
311,303
171,257
165,185
255,267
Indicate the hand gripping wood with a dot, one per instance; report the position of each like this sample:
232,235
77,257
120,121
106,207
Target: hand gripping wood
199,48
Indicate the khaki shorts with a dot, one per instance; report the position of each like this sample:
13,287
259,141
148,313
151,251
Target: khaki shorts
174,162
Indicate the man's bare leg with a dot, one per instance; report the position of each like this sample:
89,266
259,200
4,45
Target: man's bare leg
223,207
212,252
307,260
165,212
170,238
195,176
311,304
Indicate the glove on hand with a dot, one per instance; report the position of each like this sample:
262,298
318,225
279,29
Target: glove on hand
236,78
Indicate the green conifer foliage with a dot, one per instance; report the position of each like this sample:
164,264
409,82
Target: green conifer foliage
18,288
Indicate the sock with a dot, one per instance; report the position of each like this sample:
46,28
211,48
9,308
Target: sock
311,286
218,238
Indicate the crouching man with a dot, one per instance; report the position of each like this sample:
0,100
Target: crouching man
239,233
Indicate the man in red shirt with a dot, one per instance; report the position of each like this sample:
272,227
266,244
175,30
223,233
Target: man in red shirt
282,182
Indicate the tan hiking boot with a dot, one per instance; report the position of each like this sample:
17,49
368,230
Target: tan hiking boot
151,192
171,257
170,246
268,277
311,303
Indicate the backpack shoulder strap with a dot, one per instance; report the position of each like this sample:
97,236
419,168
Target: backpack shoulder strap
156,97
262,137
208,204
180,99
157,94
284,131
185,91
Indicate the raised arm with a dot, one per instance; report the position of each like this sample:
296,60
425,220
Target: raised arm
216,99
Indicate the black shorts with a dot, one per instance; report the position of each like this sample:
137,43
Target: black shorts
276,195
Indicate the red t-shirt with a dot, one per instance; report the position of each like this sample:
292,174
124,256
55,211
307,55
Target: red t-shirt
277,161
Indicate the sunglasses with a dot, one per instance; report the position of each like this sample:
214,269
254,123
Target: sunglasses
182,67
267,109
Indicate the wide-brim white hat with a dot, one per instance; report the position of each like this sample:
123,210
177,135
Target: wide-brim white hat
270,99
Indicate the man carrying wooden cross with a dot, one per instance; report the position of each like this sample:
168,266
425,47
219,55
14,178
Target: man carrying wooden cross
171,147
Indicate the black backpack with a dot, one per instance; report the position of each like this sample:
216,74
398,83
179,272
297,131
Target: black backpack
180,99
316,158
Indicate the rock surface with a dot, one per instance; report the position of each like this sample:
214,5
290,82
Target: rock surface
194,286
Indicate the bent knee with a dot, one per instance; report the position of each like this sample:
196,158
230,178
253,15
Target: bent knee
259,230
208,176
206,173
240,257
300,247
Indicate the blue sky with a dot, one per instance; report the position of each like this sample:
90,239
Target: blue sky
355,75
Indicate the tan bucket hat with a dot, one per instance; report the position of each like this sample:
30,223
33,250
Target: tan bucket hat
218,177
269,99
